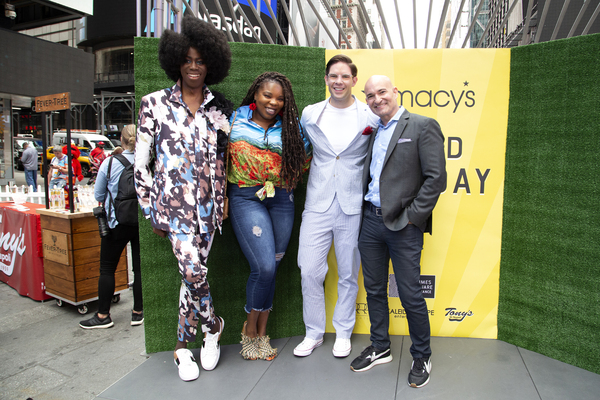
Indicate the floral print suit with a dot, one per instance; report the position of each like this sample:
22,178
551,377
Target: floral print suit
180,177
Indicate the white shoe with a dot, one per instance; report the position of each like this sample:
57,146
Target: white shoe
185,361
342,347
307,346
211,351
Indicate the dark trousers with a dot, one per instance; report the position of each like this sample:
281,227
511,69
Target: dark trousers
377,244
111,248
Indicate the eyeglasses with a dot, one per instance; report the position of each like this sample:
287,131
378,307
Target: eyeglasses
344,77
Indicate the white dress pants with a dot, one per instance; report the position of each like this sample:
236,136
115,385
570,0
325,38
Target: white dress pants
316,234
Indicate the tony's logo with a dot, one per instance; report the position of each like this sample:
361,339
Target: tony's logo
457,316
10,245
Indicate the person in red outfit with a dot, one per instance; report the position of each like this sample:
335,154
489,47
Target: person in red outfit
75,154
96,157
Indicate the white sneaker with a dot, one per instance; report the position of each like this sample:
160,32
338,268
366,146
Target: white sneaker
211,351
342,347
307,346
185,361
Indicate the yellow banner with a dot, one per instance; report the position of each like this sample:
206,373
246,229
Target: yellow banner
466,91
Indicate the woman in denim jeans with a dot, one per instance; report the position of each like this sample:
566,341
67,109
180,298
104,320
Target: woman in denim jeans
267,156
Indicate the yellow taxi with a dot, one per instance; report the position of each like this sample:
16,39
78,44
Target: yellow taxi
84,160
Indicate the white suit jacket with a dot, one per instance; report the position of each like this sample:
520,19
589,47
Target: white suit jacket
332,173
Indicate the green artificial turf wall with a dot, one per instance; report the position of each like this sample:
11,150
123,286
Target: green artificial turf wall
549,272
228,268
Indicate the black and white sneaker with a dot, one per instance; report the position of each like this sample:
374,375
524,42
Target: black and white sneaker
137,319
96,322
419,372
370,357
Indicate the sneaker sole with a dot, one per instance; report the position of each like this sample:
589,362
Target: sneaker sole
98,326
383,360
414,385
306,353
342,354
136,323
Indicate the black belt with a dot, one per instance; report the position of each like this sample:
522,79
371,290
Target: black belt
376,210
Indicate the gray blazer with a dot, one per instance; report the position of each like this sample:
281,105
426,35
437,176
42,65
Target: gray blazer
332,173
413,174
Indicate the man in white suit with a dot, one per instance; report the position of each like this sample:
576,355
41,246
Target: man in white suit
339,130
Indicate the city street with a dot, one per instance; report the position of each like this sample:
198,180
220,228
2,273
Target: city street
20,179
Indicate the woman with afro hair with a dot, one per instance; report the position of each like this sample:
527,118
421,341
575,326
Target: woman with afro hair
268,153
180,174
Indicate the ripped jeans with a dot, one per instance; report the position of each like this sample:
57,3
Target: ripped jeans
263,230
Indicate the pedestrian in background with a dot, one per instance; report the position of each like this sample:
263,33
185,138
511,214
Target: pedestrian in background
113,244
30,163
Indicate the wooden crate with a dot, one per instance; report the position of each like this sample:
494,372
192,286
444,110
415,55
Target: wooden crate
71,244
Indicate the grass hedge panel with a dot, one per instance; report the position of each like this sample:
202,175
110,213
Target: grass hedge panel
549,276
228,268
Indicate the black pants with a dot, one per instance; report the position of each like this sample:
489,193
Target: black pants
111,248
377,244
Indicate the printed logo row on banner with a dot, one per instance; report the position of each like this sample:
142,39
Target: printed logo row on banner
428,287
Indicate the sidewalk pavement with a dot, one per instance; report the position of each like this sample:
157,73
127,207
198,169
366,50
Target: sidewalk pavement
45,355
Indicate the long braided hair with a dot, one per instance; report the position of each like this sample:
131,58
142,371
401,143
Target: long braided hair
293,154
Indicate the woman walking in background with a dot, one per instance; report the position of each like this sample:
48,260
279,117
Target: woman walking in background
267,156
113,244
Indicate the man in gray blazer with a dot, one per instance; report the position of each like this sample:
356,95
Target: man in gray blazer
404,175
337,129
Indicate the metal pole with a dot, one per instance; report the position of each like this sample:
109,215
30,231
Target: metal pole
337,23
245,18
473,23
44,157
527,21
234,25
584,6
148,16
428,23
158,15
361,40
563,11
591,21
304,24
456,23
385,26
487,26
368,22
168,15
441,25
541,22
102,112
138,18
289,18
415,22
281,35
69,160
191,10
312,6
399,23
260,21
504,21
